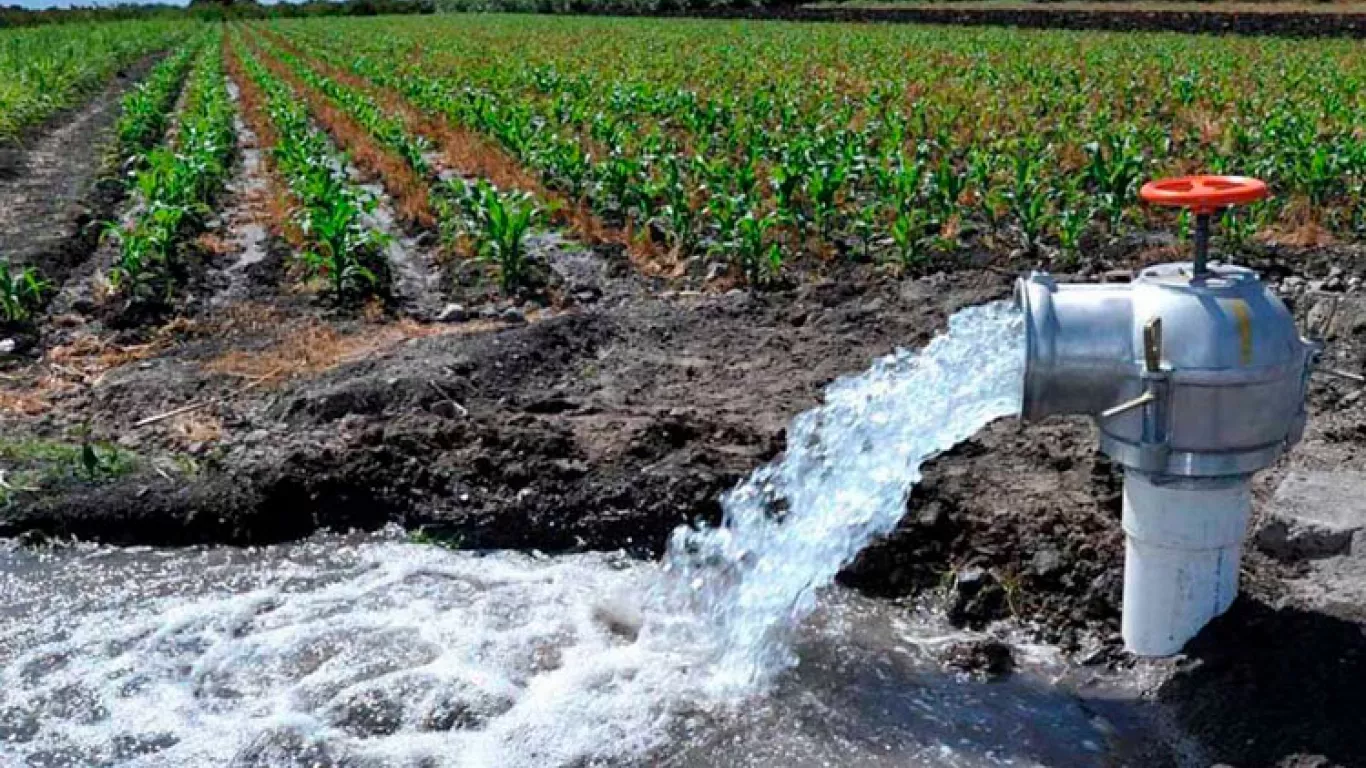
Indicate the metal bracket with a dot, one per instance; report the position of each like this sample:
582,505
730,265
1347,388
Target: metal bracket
1153,448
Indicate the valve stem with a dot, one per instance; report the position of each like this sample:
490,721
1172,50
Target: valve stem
1201,245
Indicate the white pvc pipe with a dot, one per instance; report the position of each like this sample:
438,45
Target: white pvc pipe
1183,540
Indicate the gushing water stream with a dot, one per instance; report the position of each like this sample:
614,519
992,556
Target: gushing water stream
374,651
849,466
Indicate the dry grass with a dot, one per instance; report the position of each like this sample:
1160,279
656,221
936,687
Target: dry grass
314,347
23,403
196,427
81,363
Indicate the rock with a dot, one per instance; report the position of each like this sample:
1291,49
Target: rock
17,726
930,515
1335,317
129,746
288,748
452,313
984,658
372,711
913,292
1314,515
977,598
445,409
462,704
969,580
1104,596
620,617
7,346
1046,562
513,315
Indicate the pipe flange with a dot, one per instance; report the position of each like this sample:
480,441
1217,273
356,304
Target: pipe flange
1161,460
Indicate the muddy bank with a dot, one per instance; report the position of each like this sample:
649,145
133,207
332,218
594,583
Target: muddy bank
600,427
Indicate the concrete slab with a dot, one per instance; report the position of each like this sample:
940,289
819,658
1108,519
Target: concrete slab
1334,316
1335,500
1315,515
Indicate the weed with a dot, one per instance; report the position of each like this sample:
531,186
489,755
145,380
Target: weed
21,292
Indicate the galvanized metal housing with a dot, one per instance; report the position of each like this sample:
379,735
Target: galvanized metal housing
1186,375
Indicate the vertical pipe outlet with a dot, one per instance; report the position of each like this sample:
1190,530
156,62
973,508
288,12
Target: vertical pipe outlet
1195,375
1183,542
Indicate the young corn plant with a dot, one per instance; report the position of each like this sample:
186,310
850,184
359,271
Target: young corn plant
1115,167
506,219
146,112
340,246
496,224
1028,198
909,231
823,187
176,184
21,292
758,259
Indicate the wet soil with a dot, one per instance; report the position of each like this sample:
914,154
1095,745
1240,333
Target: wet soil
622,409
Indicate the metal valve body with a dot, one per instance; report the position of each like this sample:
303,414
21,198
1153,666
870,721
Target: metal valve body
1195,381
1221,380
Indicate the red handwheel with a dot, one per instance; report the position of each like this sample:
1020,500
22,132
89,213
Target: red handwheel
1204,194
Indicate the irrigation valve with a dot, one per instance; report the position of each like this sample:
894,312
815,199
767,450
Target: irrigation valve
1196,377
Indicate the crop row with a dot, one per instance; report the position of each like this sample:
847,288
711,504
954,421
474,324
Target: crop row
331,214
490,223
146,111
178,182
894,142
43,70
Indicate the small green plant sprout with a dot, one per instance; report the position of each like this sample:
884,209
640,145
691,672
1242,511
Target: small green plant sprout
1074,217
506,220
21,292
1028,198
909,230
758,259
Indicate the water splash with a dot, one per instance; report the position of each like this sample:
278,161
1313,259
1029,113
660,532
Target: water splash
843,481
388,653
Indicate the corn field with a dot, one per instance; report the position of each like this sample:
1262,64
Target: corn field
750,147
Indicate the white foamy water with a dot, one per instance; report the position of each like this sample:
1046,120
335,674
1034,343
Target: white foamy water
374,651
843,481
